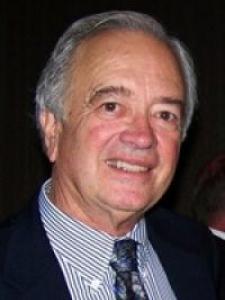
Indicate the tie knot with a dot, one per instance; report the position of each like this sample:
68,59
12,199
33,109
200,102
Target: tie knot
125,256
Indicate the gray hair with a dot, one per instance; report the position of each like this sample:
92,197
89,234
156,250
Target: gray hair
53,83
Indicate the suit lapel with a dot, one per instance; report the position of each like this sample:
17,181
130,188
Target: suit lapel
184,266
34,273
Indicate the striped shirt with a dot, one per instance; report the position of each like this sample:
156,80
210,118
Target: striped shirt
84,255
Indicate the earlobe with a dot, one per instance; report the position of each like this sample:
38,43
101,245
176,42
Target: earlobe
51,128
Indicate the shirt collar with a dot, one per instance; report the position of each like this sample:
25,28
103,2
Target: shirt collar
87,250
218,233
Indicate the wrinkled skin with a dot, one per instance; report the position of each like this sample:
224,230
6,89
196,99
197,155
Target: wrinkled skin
116,152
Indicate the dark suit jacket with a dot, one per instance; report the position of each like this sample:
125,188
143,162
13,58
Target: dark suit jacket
221,244
30,271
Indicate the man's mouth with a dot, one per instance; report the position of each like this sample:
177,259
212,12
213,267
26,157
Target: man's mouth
127,167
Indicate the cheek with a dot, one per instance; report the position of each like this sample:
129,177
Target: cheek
100,135
171,155
169,149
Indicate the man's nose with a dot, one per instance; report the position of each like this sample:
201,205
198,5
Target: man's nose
139,134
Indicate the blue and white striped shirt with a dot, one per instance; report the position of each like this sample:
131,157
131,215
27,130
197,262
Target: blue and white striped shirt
84,254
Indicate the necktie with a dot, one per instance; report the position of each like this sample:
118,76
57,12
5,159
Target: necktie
128,285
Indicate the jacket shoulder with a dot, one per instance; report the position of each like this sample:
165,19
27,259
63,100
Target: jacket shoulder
174,226
8,230
185,235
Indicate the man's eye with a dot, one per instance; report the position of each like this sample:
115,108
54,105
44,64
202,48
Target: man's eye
110,110
110,106
168,120
167,116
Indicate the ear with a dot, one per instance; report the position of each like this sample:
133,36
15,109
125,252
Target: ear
51,129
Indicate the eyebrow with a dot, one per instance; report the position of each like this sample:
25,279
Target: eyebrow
173,101
108,90
170,100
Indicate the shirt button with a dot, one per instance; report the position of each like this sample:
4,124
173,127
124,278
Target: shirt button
144,273
95,284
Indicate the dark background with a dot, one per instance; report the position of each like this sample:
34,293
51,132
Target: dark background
28,32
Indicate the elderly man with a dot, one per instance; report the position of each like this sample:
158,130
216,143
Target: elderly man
113,105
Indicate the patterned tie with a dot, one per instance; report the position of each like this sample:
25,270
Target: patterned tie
128,285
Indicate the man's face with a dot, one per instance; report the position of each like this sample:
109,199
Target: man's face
118,148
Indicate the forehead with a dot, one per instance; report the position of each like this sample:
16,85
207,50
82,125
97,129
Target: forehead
113,42
120,54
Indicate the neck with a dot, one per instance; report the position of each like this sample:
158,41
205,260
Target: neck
100,218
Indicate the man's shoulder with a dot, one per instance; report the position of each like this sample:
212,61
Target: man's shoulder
178,229
11,223
162,217
6,230
12,229
183,245
171,232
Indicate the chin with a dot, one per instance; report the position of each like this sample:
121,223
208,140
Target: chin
133,203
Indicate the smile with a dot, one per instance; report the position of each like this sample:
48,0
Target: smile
127,167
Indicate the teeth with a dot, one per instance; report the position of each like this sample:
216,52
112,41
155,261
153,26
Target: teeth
126,166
